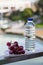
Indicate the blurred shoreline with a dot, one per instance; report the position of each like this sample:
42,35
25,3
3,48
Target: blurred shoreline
20,31
1,31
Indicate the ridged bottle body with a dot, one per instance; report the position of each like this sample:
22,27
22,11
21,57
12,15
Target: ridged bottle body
30,35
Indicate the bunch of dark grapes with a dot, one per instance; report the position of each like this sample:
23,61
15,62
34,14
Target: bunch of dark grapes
15,48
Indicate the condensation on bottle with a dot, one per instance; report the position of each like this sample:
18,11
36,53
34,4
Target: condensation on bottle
30,35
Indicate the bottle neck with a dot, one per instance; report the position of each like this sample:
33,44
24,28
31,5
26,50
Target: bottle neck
30,21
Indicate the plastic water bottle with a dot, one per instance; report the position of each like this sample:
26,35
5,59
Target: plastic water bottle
30,35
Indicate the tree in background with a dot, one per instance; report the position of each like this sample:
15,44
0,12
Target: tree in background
18,15
26,13
40,4
15,15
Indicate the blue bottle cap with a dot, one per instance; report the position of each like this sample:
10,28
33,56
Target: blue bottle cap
30,19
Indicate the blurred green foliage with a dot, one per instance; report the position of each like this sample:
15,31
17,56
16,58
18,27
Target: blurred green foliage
40,3
15,15
21,15
39,25
26,13
14,18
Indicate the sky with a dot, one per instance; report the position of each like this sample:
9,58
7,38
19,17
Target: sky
16,3
19,0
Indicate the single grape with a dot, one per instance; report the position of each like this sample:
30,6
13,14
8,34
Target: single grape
21,52
10,52
8,43
11,47
20,48
15,43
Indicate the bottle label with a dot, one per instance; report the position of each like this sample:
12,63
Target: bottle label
30,33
